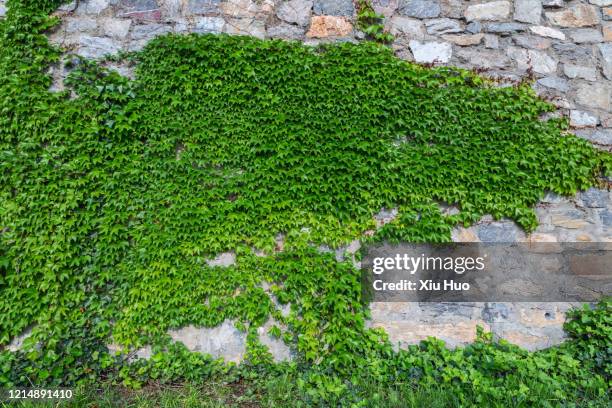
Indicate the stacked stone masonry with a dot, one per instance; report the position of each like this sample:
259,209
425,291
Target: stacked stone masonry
566,46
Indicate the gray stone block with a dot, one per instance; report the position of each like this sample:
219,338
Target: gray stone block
578,71
202,6
408,27
474,27
431,52
149,31
575,53
528,11
205,25
92,6
505,28
492,11
600,136
295,11
97,47
334,8
533,42
605,51
284,30
586,35
419,8
499,232
595,198
554,82
582,119
129,6
594,95
606,218
443,26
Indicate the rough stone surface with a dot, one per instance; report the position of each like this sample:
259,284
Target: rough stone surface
497,231
602,137
287,31
117,28
533,42
295,11
582,119
224,259
443,26
605,51
594,198
139,9
96,47
279,350
223,341
429,52
452,8
203,6
505,28
594,95
533,60
80,25
580,15
408,27
334,8
464,39
606,29
483,59
146,31
209,25
496,10
329,26
491,41
586,35
245,26
419,8
578,71
474,27
547,32
92,6
528,11
555,82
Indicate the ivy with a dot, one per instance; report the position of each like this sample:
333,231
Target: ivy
371,23
115,194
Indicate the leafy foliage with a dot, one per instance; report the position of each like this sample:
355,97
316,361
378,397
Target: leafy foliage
371,23
115,193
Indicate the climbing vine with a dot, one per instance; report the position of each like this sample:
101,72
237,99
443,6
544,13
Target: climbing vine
115,194
371,23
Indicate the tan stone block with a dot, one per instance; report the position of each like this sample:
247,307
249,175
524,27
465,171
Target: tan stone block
567,222
584,238
541,318
539,237
581,15
329,26
464,40
607,31
460,234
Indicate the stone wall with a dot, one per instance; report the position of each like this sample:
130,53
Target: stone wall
566,46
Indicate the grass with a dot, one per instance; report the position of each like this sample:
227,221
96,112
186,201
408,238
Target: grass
278,392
